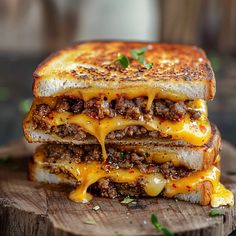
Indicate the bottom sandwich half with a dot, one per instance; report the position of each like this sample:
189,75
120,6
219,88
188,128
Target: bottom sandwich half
132,171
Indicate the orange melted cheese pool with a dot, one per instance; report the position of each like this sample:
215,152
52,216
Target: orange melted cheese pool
195,132
91,172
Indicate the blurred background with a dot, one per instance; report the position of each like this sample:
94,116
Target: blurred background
32,29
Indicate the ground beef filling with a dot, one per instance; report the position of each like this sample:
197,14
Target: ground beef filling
100,108
106,188
116,159
75,132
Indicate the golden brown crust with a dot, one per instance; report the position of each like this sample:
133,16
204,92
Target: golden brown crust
206,193
212,148
92,62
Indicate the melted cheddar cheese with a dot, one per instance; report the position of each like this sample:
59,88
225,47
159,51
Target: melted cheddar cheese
190,183
220,195
195,132
128,92
91,172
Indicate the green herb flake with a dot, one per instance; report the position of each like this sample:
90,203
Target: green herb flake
122,154
139,55
96,208
123,60
215,61
159,227
127,200
136,53
216,212
90,222
24,105
148,65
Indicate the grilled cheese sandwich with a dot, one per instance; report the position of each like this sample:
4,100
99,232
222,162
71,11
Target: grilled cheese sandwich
135,130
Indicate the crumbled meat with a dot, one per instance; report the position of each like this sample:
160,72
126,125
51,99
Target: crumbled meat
67,104
77,106
55,152
62,105
98,108
132,132
116,158
69,130
169,170
127,108
141,103
107,188
194,115
75,132
170,110
41,110
177,111
40,113
92,153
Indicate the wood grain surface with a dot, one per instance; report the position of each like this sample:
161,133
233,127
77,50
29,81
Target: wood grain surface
28,208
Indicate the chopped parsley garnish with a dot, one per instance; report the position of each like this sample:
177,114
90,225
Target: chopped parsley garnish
138,54
127,200
24,105
216,212
123,60
122,154
159,227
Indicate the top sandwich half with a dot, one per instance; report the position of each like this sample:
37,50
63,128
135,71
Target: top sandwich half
119,90
167,71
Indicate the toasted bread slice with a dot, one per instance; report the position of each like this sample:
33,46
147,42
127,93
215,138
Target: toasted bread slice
193,157
201,195
178,71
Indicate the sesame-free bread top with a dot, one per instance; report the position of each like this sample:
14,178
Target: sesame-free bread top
180,69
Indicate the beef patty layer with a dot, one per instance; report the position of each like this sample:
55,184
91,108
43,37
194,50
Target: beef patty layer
116,158
100,108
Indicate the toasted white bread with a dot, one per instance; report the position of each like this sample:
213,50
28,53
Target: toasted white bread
177,69
193,157
201,195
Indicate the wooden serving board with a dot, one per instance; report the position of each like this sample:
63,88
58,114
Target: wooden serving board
28,208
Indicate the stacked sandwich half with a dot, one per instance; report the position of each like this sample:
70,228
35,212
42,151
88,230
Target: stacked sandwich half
127,118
